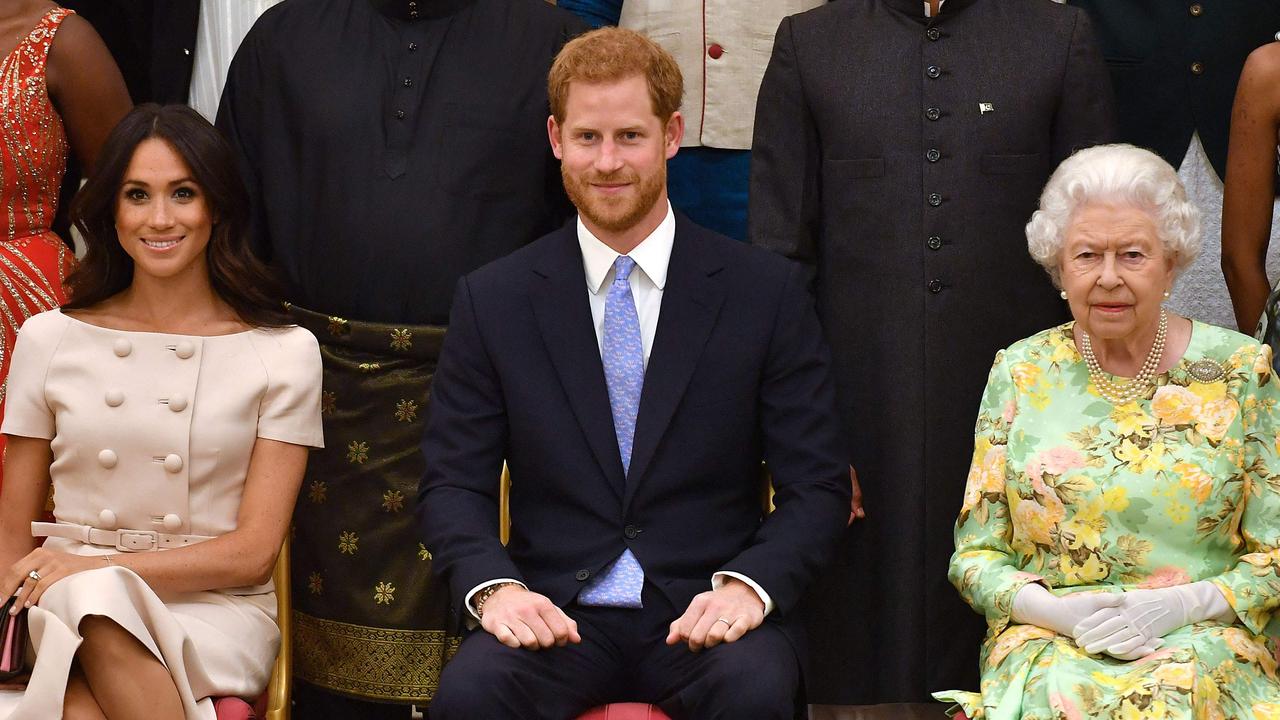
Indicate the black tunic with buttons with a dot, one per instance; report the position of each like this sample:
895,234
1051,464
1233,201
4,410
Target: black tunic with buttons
392,146
901,156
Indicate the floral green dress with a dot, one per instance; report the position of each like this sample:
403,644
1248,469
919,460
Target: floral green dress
1070,490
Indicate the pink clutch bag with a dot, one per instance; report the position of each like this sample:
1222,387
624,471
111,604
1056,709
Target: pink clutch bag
13,641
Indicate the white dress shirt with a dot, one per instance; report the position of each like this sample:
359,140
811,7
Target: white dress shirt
648,279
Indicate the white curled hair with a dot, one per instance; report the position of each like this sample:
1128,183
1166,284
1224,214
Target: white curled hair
1118,175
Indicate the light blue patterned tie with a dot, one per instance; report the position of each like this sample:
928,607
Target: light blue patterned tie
619,585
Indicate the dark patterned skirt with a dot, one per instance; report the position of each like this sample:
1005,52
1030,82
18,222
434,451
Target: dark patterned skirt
369,618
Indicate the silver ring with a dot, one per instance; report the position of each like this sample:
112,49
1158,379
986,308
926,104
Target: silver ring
725,621
34,575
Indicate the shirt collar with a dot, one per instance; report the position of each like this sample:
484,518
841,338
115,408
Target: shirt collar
652,255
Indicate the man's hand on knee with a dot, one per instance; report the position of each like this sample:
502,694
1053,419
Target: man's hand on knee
521,618
721,615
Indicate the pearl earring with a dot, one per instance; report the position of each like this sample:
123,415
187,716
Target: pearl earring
1063,294
1166,294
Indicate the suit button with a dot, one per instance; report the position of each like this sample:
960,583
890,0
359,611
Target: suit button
184,350
935,199
107,458
178,402
1196,10
933,71
631,531
935,286
715,52
933,155
122,347
933,33
1197,68
935,242
933,113
173,462
582,575
107,520
172,523
114,398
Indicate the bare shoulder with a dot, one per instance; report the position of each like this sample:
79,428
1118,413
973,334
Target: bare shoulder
1263,64
1260,79
74,36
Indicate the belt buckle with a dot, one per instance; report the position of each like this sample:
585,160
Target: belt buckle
137,540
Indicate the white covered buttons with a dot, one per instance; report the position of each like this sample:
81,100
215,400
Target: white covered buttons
185,349
172,523
114,398
107,458
178,402
107,520
173,462
122,347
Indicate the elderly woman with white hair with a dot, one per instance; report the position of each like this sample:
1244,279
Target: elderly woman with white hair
1121,522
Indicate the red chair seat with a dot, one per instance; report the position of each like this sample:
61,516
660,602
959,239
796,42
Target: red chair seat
623,711
232,708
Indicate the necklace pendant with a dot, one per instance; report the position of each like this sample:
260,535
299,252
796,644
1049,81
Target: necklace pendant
1206,371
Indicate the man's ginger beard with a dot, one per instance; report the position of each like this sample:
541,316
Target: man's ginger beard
614,214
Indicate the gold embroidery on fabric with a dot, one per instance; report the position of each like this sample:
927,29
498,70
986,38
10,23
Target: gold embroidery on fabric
328,402
357,452
318,492
338,326
406,411
384,593
378,663
315,583
348,542
423,553
370,367
392,501
401,339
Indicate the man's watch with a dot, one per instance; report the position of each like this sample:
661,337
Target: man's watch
485,593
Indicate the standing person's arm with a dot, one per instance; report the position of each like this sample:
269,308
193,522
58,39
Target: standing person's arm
86,88
1086,111
786,164
240,118
1250,185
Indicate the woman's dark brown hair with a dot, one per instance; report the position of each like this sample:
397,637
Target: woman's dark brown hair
238,276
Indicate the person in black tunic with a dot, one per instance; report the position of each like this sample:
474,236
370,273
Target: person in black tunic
900,156
390,146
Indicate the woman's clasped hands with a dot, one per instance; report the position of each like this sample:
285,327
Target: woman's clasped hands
1124,625
32,575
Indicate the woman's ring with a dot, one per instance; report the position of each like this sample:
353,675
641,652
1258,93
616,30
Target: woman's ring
725,621
34,575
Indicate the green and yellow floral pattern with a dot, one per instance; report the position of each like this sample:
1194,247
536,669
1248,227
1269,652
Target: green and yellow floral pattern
1081,495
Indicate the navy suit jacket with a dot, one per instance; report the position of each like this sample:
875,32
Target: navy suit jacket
738,373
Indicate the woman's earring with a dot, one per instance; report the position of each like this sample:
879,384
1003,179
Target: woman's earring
1166,294
1063,295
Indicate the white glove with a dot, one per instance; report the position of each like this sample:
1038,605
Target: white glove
1145,616
1035,605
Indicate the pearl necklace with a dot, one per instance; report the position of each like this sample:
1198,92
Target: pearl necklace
1121,393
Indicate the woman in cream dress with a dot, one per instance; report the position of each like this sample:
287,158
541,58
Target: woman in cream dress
172,410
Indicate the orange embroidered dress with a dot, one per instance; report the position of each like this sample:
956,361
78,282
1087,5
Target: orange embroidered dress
33,155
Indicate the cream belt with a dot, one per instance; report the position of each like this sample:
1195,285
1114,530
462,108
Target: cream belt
122,540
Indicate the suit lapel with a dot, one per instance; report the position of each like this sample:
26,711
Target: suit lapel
559,297
690,303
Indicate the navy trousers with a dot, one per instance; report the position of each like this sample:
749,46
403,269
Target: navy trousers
622,658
